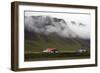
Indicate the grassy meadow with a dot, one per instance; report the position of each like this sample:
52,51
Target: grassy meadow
67,49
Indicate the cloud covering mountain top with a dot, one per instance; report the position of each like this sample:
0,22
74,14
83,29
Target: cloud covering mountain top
64,28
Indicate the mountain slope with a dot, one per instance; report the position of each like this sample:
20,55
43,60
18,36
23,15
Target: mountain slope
49,32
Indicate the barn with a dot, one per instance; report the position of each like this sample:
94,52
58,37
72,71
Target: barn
51,50
82,50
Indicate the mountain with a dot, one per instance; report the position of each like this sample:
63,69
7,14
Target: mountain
43,32
47,25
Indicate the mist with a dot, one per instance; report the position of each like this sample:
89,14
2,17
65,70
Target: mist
69,27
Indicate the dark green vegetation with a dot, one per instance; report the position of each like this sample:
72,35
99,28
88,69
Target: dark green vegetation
59,56
35,43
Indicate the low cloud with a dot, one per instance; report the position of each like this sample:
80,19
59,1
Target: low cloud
47,25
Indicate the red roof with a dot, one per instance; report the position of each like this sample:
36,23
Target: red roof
50,49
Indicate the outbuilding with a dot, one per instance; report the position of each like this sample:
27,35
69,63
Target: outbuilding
51,50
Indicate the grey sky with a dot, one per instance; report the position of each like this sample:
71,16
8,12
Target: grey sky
80,27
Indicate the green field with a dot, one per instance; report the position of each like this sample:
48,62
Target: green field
59,56
34,47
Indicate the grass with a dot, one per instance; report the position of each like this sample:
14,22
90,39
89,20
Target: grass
59,56
40,45
34,48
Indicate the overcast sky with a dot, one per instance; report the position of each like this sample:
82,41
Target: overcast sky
82,21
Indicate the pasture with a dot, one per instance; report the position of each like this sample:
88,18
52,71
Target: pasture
55,56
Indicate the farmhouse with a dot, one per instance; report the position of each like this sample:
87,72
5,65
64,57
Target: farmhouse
82,50
51,50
